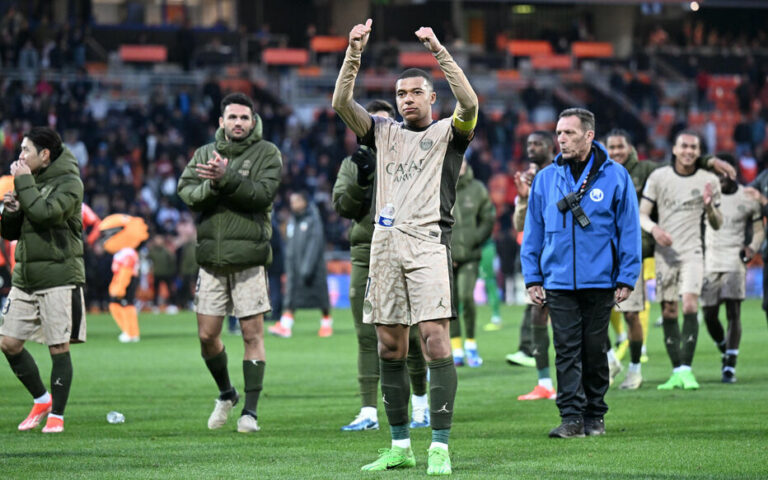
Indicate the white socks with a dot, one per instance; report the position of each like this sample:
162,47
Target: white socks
44,398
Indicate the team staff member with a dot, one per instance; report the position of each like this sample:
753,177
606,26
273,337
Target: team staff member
231,184
417,166
580,255
682,193
46,298
352,199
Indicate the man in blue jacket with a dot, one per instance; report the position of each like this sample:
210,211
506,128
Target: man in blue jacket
580,256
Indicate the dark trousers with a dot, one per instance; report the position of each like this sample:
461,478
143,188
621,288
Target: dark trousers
580,332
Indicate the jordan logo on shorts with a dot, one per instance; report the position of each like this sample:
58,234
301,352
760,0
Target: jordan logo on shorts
440,304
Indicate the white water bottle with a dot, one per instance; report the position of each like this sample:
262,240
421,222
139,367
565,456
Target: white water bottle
387,215
115,417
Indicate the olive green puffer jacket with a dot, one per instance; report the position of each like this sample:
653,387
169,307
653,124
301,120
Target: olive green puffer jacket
234,225
48,226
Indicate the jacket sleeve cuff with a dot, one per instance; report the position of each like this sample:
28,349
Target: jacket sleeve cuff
533,284
227,184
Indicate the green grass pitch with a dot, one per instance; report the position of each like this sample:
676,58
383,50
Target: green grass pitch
166,394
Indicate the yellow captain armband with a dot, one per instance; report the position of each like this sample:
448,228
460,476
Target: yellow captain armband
464,125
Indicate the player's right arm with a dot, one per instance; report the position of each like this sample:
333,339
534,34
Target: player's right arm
197,193
351,112
646,207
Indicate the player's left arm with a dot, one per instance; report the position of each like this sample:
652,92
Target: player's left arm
629,243
54,209
465,114
712,204
255,192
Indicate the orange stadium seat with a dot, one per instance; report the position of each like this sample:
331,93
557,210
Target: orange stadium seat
328,43
529,48
143,53
285,56
592,49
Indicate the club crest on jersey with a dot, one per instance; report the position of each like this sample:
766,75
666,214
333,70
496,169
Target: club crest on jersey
426,144
596,195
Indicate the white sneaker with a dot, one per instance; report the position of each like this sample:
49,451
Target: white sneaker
632,381
614,368
125,338
247,424
220,413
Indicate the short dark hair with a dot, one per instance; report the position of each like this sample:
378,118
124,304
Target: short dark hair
417,72
547,136
237,98
586,117
46,138
380,106
692,133
619,132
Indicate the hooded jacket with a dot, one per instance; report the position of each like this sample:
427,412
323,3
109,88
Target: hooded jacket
234,224
48,226
561,255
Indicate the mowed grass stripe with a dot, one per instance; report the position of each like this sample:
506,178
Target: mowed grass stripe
163,388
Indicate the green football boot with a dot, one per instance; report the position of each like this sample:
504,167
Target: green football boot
675,381
438,462
390,458
689,381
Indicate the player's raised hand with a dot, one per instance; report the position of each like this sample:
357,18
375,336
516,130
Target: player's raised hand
358,36
707,195
522,184
429,39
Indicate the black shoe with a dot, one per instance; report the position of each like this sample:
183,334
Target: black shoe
594,426
568,429
728,377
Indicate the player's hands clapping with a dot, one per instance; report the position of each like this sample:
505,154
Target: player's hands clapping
358,36
365,160
429,39
214,169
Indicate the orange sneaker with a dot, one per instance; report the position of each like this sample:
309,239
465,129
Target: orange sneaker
279,330
325,331
539,393
39,410
54,425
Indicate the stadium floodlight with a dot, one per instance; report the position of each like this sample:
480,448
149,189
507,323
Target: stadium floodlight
694,6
